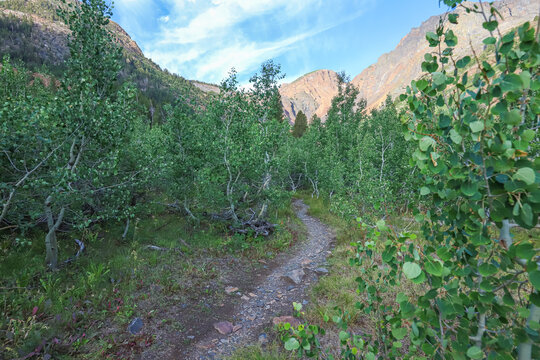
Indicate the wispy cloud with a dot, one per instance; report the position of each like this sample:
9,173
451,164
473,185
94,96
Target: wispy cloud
204,39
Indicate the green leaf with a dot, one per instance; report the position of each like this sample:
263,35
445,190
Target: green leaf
432,38
489,40
421,84
344,336
475,352
511,82
411,270
534,277
469,188
381,225
399,333
528,135
512,117
487,269
476,126
439,78
444,254
434,268
453,18
525,79
420,278
526,215
456,138
526,175
292,344
450,39
490,25
401,297
525,251
461,63
424,190
426,142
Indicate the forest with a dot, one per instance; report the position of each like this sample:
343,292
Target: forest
434,198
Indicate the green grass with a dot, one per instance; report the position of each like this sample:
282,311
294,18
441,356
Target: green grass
87,305
256,352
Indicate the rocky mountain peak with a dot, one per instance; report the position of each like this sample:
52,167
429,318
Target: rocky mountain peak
393,71
311,93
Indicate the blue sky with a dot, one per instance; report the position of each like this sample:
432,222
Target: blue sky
204,39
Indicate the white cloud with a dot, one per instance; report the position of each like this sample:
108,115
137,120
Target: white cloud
222,16
204,39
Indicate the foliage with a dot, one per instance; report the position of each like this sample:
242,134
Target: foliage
74,171
300,124
475,137
355,158
227,161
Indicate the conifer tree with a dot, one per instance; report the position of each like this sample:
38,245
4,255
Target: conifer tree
300,125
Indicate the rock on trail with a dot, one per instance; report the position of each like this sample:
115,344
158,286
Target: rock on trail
272,297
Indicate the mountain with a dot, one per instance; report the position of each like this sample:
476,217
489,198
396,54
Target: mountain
311,93
31,31
393,71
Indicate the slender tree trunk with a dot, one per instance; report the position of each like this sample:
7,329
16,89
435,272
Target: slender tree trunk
50,239
126,229
525,348
51,245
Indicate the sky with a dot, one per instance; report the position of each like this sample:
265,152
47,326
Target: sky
203,39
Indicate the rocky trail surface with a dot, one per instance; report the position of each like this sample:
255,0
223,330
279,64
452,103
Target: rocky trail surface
271,296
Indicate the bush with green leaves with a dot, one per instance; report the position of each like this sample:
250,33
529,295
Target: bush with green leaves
76,172
475,131
228,160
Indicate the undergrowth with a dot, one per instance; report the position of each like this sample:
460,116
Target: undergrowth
83,309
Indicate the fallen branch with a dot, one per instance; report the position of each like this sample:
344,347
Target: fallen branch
79,252
159,248
259,227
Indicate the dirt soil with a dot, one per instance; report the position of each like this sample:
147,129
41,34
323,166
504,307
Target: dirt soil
263,293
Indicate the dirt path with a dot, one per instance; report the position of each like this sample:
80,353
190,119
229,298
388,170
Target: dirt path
272,293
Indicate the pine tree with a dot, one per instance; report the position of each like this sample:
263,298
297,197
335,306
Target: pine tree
300,125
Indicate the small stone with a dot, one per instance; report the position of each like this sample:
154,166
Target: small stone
190,337
295,276
224,327
306,262
236,328
135,326
321,271
206,346
250,318
286,319
230,289
224,341
304,302
263,339
252,295
290,287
